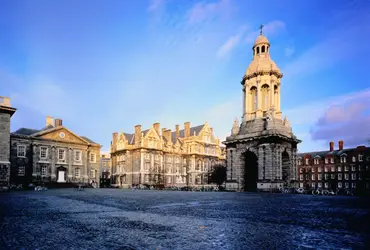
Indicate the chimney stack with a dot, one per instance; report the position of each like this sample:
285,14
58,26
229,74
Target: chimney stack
340,145
50,121
163,131
167,135
187,129
58,122
177,132
156,127
4,101
331,144
137,134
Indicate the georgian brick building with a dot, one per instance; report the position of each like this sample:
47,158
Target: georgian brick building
335,169
162,157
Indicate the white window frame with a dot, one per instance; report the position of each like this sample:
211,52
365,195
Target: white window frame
92,158
347,185
346,177
353,158
23,151
306,161
343,159
319,177
340,176
360,157
92,173
340,185
169,180
64,155
326,160
332,169
46,153
339,168
21,171
332,160
44,171
353,168
353,185
326,184
77,172
313,185
76,152
346,168
319,185
319,169
316,161
313,177
353,176
301,177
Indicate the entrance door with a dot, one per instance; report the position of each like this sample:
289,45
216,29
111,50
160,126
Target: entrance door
61,176
250,171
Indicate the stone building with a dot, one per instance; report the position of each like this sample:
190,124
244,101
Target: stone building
163,157
261,150
6,112
105,169
53,154
335,169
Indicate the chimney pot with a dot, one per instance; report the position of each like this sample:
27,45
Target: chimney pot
340,145
187,129
58,122
331,145
177,132
156,127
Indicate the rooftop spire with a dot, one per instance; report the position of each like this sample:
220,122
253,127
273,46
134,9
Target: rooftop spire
261,27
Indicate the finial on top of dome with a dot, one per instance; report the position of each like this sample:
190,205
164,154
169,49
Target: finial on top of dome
261,27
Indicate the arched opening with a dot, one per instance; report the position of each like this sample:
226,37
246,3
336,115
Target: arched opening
263,49
250,171
265,97
276,96
285,166
253,99
258,50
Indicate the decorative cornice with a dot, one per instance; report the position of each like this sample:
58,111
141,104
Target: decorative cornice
260,73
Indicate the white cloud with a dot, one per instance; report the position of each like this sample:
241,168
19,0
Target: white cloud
204,11
155,5
231,43
289,51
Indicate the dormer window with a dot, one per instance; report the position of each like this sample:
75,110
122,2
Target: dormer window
342,159
316,161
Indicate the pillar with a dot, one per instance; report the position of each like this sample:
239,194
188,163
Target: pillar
53,175
70,159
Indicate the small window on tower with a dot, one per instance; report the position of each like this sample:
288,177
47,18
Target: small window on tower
263,49
258,50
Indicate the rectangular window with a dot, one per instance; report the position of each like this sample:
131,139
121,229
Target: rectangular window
299,162
78,154
169,179
92,173
319,177
360,157
353,177
301,177
353,168
339,169
346,177
326,185
313,170
332,176
326,161
306,161
300,170
44,170
147,156
146,178
340,176
316,161
333,169
43,152
319,169
319,185
347,185
21,151
353,159
77,173
346,168
92,157
332,160
146,166
61,155
301,185
326,169
353,185
313,177
313,185
339,184
326,176
343,159
21,170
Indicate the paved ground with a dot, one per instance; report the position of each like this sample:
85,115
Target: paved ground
123,219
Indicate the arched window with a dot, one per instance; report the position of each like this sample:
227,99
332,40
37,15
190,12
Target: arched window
265,96
263,49
253,95
258,50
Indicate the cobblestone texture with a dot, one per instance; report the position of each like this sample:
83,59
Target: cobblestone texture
122,219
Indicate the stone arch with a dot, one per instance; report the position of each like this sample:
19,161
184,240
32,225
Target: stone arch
263,49
258,50
265,89
253,98
285,169
250,170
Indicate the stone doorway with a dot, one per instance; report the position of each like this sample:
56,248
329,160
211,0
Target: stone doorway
285,166
61,174
250,171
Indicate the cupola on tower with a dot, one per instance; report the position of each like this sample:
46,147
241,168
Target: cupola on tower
261,150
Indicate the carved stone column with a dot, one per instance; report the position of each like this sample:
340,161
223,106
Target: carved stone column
261,163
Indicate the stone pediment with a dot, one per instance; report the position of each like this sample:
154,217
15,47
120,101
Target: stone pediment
61,134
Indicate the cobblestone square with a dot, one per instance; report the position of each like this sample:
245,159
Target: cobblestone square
125,219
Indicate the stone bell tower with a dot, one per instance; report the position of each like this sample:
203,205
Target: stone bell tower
261,151
6,111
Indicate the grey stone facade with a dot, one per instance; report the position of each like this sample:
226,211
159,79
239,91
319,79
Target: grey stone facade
6,111
261,151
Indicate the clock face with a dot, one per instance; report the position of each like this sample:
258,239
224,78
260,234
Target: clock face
62,135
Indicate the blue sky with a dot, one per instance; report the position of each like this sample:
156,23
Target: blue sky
105,66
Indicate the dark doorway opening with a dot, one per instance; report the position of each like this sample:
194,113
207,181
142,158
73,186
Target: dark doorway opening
285,167
250,171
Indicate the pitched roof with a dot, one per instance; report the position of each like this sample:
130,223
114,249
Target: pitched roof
328,152
26,131
89,140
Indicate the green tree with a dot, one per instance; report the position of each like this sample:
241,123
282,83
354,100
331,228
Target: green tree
218,175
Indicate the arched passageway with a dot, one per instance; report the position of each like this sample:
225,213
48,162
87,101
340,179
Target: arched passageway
250,171
285,166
